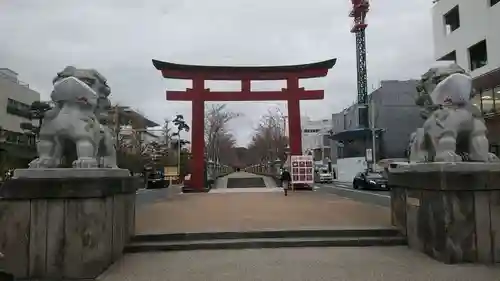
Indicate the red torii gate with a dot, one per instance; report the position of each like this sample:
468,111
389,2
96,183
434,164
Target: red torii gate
198,94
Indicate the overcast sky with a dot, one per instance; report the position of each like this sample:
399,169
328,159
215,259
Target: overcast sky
120,37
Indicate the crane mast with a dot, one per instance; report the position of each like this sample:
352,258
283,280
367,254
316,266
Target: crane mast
359,10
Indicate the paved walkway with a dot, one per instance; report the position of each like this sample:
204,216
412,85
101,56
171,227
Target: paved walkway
298,264
221,183
253,209
238,211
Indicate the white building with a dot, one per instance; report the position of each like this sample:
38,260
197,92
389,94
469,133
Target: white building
133,137
468,32
17,148
313,137
15,100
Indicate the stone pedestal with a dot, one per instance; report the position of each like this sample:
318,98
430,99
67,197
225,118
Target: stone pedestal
450,211
65,223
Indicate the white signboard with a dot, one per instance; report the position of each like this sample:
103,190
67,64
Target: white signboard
302,169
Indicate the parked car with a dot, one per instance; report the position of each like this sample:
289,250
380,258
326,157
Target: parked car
156,180
370,180
323,176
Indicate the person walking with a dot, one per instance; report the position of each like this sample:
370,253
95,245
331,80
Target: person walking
286,179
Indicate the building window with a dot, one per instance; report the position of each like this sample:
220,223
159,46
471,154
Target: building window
452,56
478,55
18,108
452,20
476,101
19,138
494,2
496,99
488,103
495,149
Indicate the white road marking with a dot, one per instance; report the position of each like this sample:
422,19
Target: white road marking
359,191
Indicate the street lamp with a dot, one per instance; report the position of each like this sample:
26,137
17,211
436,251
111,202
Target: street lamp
3,139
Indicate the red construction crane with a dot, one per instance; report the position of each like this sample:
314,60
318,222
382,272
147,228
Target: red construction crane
359,10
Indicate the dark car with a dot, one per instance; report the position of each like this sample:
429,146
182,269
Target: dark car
370,180
156,180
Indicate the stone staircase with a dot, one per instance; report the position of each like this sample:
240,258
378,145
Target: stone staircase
266,239
246,182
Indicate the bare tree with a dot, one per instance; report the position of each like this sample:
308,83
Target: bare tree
217,138
167,132
269,141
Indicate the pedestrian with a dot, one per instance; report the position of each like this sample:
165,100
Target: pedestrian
286,178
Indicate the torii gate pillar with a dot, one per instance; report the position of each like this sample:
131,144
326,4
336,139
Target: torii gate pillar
293,106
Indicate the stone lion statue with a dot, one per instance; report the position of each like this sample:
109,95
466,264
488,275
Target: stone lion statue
73,126
454,130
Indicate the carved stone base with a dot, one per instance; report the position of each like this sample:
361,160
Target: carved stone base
65,228
450,211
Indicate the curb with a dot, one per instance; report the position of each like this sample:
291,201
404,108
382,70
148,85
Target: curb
355,237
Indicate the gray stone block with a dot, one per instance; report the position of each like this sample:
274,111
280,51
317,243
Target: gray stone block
58,173
451,212
67,232
468,167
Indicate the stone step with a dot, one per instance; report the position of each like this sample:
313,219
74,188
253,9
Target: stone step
260,243
250,182
280,233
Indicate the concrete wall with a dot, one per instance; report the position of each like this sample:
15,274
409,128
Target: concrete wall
13,89
478,21
397,114
347,168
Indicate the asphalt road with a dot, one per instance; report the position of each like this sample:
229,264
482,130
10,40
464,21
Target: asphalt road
377,197
148,196
382,198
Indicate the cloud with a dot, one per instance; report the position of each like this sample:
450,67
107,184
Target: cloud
120,37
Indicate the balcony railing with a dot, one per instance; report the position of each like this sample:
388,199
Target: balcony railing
18,112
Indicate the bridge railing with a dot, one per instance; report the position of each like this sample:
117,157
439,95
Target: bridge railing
217,170
269,169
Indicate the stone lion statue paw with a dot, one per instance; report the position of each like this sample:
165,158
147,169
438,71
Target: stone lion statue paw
43,162
86,162
448,156
493,158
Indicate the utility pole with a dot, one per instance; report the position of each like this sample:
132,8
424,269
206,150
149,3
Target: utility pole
179,152
373,129
116,122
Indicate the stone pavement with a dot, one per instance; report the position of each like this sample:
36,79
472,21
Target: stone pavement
235,211
297,264
221,183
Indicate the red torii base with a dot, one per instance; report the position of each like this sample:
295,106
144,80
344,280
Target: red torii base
198,95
